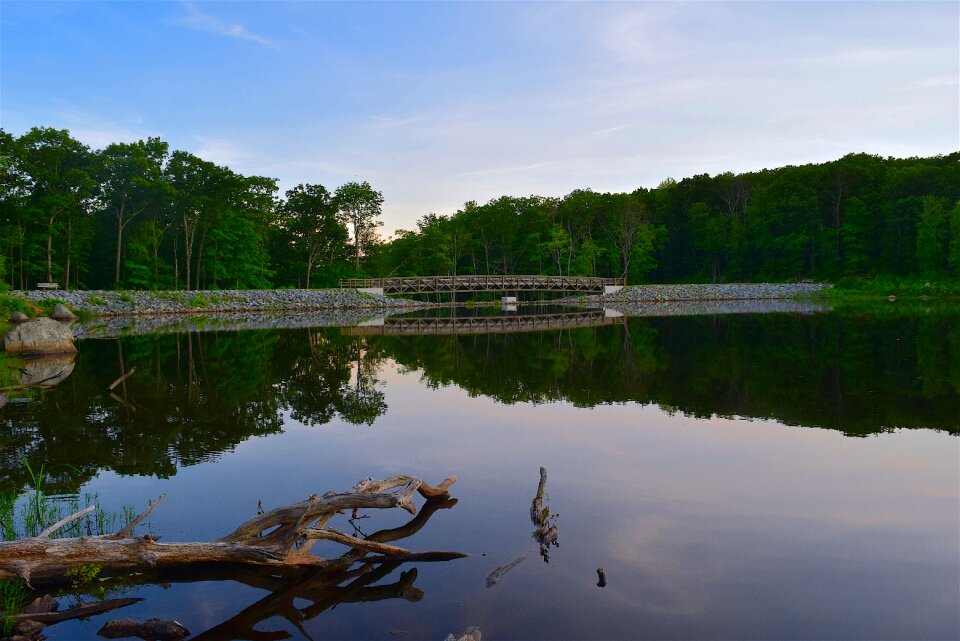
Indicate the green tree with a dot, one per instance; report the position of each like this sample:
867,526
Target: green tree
361,204
59,170
132,182
314,222
932,237
953,255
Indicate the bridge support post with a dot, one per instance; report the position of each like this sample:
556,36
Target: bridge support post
378,291
612,289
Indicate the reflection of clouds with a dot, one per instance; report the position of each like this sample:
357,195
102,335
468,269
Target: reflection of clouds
706,528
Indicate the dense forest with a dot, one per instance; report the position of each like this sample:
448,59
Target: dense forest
138,215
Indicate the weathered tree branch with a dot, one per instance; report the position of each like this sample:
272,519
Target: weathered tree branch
269,539
128,528
82,611
66,521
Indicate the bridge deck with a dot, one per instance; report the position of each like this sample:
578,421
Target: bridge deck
484,283
485,325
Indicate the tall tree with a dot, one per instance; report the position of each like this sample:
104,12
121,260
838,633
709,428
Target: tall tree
59,168
314,221
361,204
132,180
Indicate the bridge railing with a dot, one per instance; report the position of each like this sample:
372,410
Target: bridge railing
510,324
484,282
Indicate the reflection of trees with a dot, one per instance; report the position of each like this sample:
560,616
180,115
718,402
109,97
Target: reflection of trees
841,371
336,376
193,395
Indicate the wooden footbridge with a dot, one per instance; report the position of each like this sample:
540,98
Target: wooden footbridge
484,283
506,324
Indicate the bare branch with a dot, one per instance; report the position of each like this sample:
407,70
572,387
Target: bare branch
65,521
135,522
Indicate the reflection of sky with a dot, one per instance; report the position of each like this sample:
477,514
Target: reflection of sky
706,528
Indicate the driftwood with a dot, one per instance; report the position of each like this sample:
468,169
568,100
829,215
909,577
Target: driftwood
536,506
151,630
601,578
299,585
279,538
470,634
81,611
321,588
546,533
124,377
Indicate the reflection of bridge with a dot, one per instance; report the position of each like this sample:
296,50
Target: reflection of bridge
485,283
511,324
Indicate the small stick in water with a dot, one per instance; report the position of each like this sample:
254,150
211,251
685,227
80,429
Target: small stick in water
603,578
494,577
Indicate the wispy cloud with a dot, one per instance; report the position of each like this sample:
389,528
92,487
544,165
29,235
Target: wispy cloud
222,151
97,131
199,21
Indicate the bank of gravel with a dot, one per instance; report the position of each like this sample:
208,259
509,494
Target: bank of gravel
124,303
667,293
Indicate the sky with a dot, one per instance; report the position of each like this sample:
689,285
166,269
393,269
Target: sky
436,104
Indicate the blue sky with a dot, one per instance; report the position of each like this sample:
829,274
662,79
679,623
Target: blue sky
439,103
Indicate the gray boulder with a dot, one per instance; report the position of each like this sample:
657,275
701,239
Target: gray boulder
18,317
39,336
60,312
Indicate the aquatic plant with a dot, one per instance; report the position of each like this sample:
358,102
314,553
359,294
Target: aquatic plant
13,596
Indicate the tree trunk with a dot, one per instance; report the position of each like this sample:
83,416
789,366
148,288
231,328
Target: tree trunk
50,249
120,211
281,538
66,269
203,238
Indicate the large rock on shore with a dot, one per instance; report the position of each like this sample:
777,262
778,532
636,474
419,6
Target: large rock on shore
40,336
60,312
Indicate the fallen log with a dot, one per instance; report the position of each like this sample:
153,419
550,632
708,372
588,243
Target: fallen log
280,538
82,611
151,629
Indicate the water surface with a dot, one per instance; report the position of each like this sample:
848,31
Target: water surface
759,476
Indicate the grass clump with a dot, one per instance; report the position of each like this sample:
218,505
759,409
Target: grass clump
13,597
199,300
27,513
883,286
10,304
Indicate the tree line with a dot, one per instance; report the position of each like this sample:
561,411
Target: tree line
137,215
860,215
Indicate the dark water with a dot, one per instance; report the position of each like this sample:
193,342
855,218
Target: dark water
764,476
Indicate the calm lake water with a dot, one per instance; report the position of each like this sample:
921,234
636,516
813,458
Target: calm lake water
742,476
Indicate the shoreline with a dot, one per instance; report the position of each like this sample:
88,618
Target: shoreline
120,303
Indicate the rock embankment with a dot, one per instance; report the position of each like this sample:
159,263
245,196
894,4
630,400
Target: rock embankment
122,303
738,291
